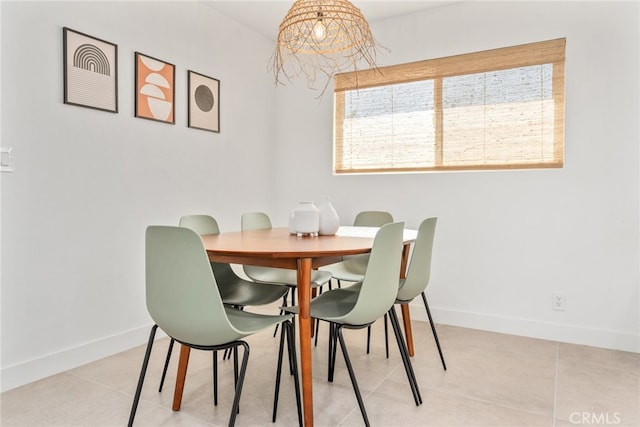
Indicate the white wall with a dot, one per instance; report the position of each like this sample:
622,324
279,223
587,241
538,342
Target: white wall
507,240
87,183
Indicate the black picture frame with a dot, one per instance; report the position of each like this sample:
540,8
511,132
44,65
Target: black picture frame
204,102
90,71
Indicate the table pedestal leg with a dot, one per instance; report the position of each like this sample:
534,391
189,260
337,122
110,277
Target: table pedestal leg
406,320
183,363
304,331
406,317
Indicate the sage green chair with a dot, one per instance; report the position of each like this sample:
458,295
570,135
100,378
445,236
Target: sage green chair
352,268
418,275
184,301
375,297
276,276
234,290
372,218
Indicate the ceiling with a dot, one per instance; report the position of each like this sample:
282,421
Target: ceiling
265,16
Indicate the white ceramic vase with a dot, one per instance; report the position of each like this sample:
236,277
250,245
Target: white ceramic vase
329,220
306,219
292,222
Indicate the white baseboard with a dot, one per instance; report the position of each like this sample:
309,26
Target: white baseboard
603,338
51,364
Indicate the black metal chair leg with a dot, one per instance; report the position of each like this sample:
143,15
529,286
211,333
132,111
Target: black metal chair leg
287,332
235,369
332,351
143,372
386,335
284,304
243,369
235,366
292,292
215,378
352,375
166,364
292,324
315,338
433,329
293,362
404,353
276,393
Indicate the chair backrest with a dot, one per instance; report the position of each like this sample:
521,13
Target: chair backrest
201,224
358,263
377,293
372,218
419,270
255,221
206,224
181,292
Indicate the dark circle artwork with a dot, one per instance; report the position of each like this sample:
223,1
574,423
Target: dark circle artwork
204,98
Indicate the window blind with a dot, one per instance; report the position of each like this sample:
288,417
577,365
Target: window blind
496,109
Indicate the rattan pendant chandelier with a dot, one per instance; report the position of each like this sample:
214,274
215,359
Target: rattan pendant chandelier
319,38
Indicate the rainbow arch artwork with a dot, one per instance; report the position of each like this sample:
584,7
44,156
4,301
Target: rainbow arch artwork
90,71
89,57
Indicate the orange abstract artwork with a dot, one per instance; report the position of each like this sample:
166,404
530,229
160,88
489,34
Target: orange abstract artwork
155,90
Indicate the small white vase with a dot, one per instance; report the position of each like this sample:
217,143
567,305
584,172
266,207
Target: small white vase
292,222
306,219
329,221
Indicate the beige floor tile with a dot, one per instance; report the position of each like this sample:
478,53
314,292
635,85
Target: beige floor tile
599,357
598,392
461,339
66,400
492,380
492,368
441,410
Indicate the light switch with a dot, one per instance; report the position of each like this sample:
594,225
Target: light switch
6,159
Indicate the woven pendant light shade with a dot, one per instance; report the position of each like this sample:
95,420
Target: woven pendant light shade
319,38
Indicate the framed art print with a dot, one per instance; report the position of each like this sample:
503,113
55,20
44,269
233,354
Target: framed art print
155,89
204,102
90,71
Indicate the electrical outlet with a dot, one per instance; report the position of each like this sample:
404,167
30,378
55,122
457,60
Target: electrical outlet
559,301
6,159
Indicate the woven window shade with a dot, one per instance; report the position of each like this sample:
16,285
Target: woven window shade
496,109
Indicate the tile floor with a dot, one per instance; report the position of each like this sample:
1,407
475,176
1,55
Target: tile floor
492,380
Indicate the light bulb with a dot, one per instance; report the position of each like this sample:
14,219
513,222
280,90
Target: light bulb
319,31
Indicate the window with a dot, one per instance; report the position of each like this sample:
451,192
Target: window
496,109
